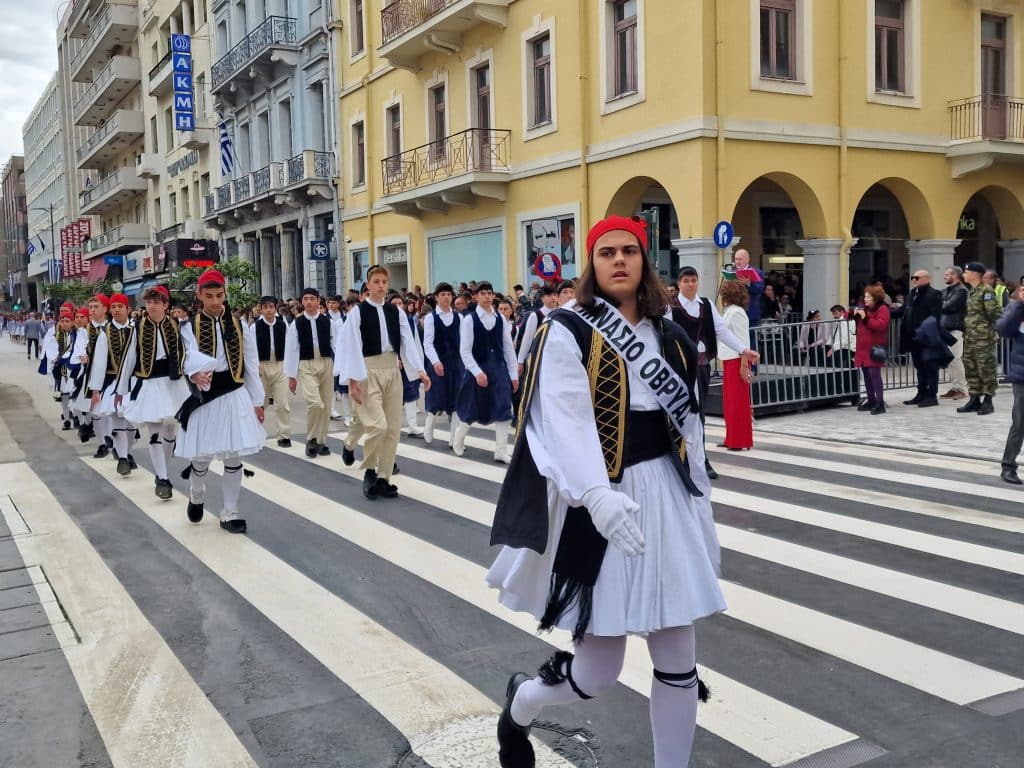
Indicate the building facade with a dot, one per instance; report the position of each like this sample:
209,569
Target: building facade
844,141
45,184
14,233
273,198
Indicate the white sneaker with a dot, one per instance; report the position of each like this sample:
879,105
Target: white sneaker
335,415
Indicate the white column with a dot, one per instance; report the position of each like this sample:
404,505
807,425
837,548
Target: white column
173,21
267,264
702,254
246,249
186,18
288,287
931,255
821,273
1013,260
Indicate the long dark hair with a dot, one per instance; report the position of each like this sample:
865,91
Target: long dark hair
651,296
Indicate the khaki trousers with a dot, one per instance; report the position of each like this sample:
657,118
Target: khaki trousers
957,375
316,386
277,396
379,417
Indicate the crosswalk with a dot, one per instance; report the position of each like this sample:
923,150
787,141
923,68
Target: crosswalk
865,587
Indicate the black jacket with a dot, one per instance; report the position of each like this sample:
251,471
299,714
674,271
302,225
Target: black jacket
1008,327
921,303
954,307
935,342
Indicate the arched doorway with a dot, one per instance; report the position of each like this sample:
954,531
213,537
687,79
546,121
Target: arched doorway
880,253
647,197
979,235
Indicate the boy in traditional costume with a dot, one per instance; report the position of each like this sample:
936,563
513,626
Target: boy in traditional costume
92,424
309,366
108,360
271,330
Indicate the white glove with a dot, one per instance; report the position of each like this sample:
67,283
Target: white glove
610,512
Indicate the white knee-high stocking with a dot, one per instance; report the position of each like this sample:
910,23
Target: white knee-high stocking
197,481
231,485
168,435
156,451
673,695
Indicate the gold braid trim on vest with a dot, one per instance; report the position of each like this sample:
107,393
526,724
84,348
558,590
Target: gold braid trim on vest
677,438
608,385
529,382
62,342
206,339
146,357
117,346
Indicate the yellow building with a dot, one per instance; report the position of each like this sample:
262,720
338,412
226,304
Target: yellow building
843,140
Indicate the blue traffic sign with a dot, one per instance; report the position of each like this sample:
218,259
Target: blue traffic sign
112,259
181,43
319,250
723,234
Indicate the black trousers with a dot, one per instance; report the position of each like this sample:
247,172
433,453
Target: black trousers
29,343
1015,438
927,373
703,385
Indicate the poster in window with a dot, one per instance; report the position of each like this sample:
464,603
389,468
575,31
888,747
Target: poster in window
357,266
550,236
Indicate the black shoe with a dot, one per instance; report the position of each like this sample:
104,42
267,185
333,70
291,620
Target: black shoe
164,490
386,490
86,432
101,452
131,462
284,442
370,484
74,420
123,467
514,747
394,468
867,405
195,512
928,402
233,526
712,475
878,409
311,450
348,456
914,400
1009,475
108,441
971,405
67,426
322,450
986,406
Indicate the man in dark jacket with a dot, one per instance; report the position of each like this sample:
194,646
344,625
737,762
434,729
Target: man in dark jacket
954,314
1009,326
922,301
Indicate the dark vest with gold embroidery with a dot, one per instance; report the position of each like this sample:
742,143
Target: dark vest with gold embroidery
146,364
94,332
263,330
205,329
304,332
117,346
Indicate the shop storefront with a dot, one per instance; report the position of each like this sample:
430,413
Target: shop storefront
462,257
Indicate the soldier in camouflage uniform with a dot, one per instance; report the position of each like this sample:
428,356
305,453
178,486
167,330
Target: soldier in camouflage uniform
983,309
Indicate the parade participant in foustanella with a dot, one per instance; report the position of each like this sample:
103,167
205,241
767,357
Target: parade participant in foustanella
270,329
309,366
154,359
599,514
58,350
374,336
93,425
444,363
222,418
76,369
111,348
492,373
533,320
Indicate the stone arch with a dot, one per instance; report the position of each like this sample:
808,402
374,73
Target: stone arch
1008,208
916,209
629,196
803,197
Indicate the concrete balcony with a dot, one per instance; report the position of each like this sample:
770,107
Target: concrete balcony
114,29
110,140
158,81
985,130
196,139
262,56
123,238
121,186
454,171
148,166
83,13
192,229
411,28
288,184
111,85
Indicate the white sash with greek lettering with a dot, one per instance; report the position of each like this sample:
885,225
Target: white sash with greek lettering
647,364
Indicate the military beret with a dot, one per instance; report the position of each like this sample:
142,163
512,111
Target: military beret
976,266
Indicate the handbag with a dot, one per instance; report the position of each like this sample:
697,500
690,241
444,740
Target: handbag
879,353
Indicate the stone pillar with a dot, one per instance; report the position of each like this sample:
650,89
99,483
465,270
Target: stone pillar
1013,260
173,23
267,264
933,256
186,18
288,287
702,254
821,273
246,249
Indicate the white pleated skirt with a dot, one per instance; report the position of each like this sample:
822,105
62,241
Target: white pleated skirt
106,406
226,427
672,584
158,400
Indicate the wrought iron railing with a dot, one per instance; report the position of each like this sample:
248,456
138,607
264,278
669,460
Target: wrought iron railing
399,17
223,196
106,184
170,233
261,180
295,169
476,149
97,137
243,188
156,69
103,240
99,24
208,204
990,116
323,165
101,80
275,30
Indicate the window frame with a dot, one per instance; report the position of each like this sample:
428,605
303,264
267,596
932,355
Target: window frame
910,96
614,98
357,30
884,25
802,84
358,139
775,8
627,29
540,114
437,121
531,128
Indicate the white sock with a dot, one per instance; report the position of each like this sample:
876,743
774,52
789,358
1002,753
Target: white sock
595,669
346,406
410,416
501,430
197,481
169,435
65,407
231,485
673,707
121,443
156,452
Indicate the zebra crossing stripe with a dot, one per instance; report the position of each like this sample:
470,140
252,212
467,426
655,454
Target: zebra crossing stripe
767,728
146,706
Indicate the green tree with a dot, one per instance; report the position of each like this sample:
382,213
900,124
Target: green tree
75,292
240,276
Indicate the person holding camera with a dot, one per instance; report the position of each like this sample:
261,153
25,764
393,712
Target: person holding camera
872,346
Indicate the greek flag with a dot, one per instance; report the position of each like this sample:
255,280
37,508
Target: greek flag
54,269
227,153
31,250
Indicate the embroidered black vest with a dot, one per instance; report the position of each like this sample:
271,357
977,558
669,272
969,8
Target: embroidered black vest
146,364
446,338
205,329
369,328
488,344
263,339
62,341
304,331
117,346
94,332
700,328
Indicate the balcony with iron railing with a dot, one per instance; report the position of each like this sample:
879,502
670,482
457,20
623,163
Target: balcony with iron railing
114,26
112,191
410,28
159,80
309,168
455,170
984,130
110,139
80,20
274,41
111,85
123,237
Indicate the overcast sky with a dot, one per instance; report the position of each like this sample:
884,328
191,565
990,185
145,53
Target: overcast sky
28,59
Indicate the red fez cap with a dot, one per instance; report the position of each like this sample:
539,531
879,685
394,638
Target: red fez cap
211,277
635,226
68,304
83,311
102,299
163,289
67,311
119,298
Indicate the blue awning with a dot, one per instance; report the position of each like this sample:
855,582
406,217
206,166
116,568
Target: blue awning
137,286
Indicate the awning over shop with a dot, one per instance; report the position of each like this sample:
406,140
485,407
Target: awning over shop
138,286
97,269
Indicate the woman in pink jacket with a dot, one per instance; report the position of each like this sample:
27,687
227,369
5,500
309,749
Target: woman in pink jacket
872,331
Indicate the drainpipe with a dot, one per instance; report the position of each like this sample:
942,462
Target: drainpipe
720,167
582,24
844,180
331,28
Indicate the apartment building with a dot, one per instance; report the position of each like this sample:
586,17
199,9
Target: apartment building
273,199
842,140
45,184
14,233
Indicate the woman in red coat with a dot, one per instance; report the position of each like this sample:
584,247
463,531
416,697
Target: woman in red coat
872,330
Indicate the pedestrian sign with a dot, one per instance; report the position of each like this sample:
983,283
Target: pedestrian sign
723,234
319,250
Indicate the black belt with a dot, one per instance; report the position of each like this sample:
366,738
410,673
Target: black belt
221,384
160,370
647,437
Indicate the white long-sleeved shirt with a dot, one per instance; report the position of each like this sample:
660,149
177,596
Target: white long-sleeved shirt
196,361
844,335
349,361
722,331
529,331
447,318
98,371
291,345
487,319
131,357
